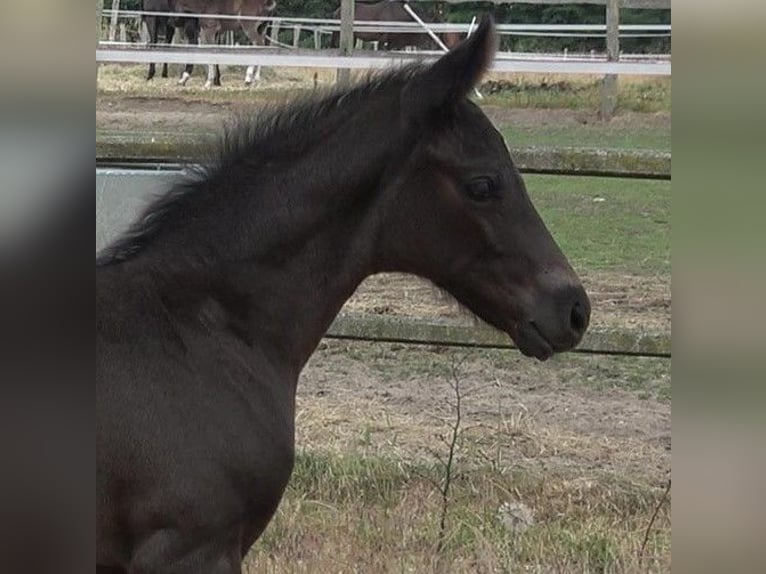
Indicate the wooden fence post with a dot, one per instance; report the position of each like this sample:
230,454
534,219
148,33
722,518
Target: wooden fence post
346,38
609,85
113,21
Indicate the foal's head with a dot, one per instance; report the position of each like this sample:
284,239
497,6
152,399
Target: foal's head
459,213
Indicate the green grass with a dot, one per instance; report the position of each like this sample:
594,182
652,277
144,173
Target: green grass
592,135
383,479
646,377
650,95
607,224
596,135
350,513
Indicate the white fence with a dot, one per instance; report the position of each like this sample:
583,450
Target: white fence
249,56
327,25
596,64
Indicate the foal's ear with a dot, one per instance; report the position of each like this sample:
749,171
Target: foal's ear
452,77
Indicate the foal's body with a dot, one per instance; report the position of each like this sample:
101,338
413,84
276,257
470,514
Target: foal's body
177,348
233,464
208,310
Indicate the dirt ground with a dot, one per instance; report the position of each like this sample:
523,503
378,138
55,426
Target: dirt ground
594,413
183,113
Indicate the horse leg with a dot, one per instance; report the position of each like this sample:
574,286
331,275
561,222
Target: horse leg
151,29
191,32
253,74
256,32
169,31
216,67
208,35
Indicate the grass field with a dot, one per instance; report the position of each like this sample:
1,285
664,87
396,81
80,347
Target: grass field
607,224
579,92
370,514
596,135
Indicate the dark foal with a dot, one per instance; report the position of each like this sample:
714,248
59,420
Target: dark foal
208,309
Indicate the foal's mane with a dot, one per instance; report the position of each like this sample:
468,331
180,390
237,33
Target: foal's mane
247,143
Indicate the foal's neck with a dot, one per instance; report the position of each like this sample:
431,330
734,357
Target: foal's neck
292,302
314,239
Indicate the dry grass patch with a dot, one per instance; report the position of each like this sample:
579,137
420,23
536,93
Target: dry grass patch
552,473
502,441
375,514
637,93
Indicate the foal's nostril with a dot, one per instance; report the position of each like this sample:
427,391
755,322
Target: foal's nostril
578,318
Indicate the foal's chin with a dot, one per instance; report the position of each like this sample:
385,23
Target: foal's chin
531,342
524,334
542,339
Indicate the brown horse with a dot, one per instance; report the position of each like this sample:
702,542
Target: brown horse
211,28
394,11
165,26
208,309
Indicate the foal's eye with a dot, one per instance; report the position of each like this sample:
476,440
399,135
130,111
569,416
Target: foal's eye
481,189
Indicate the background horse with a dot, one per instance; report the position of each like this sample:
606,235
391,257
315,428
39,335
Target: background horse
394,11
165,26
212,28
209,307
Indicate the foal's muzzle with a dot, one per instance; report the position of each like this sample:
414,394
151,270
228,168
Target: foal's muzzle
556,324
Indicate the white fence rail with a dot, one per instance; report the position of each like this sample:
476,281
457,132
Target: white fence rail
330,25
596,64
250,56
